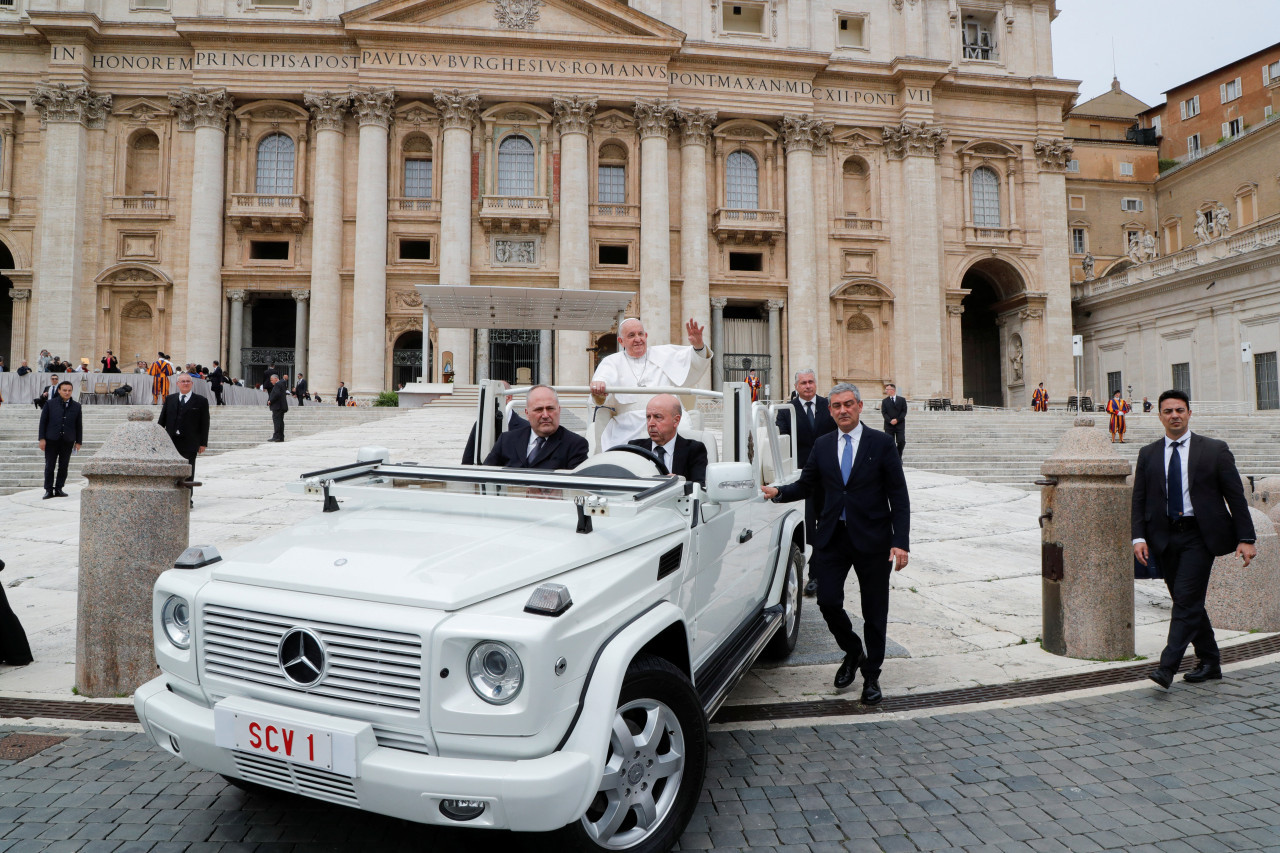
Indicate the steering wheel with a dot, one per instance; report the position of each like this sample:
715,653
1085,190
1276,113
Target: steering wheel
646,453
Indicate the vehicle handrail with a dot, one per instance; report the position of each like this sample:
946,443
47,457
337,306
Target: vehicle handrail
625,389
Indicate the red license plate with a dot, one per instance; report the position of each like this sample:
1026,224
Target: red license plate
286,741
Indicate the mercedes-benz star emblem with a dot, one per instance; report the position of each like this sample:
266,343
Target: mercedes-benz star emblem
301,656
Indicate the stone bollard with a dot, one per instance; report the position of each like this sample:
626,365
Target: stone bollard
1243,599
134,522
1086,557
1266,497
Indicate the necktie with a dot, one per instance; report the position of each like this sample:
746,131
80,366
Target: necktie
1173,483
537,448
662,453
183,399
846,463
809,408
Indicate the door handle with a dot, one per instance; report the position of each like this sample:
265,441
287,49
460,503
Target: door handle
744,536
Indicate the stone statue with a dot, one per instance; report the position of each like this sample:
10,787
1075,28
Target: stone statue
1015,360
1221,220
1088,263
1135,249
1202,227
1148,246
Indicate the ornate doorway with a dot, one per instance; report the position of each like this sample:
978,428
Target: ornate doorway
992,328
510,350
272,333
406,359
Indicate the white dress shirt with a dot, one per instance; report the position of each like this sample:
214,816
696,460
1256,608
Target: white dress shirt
533,441
855,437
1184,455
668,450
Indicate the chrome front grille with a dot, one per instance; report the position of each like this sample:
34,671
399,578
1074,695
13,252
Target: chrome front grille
310,781
365,666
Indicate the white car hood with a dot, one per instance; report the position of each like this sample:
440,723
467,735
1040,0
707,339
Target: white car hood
442,561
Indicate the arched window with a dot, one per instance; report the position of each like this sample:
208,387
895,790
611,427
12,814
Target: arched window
986,198
742,181
611,175
417,167
857,188
142,167
275,165
515,167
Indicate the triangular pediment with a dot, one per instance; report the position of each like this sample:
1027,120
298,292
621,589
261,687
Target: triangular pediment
515,18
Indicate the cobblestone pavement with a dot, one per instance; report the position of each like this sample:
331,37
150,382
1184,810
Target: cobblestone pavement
1197,769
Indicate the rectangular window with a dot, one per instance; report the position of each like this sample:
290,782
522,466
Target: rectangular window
415,250
612,255
746,261
1193,144
1230,90
611,184
1265,380
7,4
1073,165
1189,108
1182,377
268,250
1077,241
417,178
1114,384
977,36
1156,126
1267,113
1235,127
744,18
850,31
160,5
1126,170
1076,202
1133,205
1270,72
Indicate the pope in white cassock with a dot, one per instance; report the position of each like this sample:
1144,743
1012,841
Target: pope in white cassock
638,364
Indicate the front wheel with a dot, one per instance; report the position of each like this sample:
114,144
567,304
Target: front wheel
784,641
655,766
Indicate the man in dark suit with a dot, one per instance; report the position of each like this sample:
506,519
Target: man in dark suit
813,419
185,416
683,457
865,523
61,432
47,393
343,393
543,443
300,390
216,378
1188,507
513,420
278,402
894,411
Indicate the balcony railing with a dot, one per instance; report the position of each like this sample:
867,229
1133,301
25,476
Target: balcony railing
268,212
515,213
747,225
138,207
858,223
414,205
615,212
991,235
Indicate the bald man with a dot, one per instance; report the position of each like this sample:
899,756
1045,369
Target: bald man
542,442
682,456
638,364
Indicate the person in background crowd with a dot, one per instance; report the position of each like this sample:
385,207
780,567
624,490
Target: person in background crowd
84,365
110,364
43,361
1146,405
61,433
141,368
2,367
160,371
185,416
23,369
1040,399
893,409
300,389
1117,408
48,393
215,383
343,394
14,648
753,382
278,402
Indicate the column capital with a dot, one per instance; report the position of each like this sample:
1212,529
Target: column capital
201,107
236,295
653,117
955,310
328,109
696,125
803,132
301,296
719,302
910,139
1054,154
19,294
62,103
458,108
574,113
776,304
372,106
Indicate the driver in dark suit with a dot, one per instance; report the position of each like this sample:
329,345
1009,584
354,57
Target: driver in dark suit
812,419
542,443
682,456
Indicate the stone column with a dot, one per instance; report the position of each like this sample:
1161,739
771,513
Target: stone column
1248,599
717,341
799,135
205,111
1052,156
236,333
653,118
777,376
695,132
66,113
481,338
134,475
372,108
545,359
458,112
954,377
21,297
573,119
301,330
328,116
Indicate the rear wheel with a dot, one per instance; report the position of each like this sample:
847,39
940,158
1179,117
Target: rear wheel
655,766
784,641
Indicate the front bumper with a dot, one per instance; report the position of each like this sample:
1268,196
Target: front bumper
532,795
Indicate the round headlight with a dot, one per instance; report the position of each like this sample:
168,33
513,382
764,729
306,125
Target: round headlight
175,618
496,672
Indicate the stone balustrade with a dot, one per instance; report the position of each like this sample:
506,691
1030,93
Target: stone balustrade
857,223
615,212
402,204
268,212
137,207
747,225
515,213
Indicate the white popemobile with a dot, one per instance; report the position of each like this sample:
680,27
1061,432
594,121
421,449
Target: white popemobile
499,648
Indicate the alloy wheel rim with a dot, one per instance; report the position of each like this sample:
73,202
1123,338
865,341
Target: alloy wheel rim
793,590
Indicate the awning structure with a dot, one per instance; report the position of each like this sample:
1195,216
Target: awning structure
484,307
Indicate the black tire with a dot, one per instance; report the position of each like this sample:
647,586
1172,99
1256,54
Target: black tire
784,641
636,774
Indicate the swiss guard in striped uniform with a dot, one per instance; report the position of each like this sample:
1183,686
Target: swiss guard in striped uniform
160,371
1040,399
1117,407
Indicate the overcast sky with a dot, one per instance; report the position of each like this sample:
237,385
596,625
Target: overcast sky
1158,43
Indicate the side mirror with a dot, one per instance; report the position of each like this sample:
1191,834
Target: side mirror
728,482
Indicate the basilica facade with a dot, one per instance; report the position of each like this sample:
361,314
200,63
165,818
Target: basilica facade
872,188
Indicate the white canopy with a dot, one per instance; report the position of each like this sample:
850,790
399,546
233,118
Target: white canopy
485,307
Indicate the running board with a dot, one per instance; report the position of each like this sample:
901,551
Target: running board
716,680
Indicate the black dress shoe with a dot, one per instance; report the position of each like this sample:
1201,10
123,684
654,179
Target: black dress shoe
811,588
58,493
848,670
1204,672
1163,677
47,494
871,694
